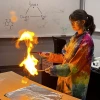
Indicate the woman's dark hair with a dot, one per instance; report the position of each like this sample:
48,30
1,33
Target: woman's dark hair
82,15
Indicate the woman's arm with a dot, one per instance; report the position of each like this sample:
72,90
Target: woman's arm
77,63
56,58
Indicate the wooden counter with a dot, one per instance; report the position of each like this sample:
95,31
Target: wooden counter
10,81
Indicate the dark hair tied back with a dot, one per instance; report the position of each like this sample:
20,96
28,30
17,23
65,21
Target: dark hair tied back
89,25
80,14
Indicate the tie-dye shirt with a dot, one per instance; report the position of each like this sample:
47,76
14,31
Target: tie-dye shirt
74,72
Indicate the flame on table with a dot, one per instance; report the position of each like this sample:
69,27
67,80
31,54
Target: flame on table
30,61
24,80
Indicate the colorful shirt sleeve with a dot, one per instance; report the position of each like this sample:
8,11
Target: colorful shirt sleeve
76,64
56,58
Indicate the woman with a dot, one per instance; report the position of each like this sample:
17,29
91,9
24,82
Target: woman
74,72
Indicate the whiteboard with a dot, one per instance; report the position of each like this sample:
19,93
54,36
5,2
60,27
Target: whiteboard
92,7
45,18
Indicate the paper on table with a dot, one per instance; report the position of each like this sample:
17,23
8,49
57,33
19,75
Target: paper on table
33,92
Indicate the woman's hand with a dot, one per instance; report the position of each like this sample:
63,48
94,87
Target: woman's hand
47,70
44,54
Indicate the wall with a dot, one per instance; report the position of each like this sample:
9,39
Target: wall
96,38
10,55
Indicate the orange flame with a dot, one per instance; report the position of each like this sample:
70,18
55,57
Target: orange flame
30,61
24,80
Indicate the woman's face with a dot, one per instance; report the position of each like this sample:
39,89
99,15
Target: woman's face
77,25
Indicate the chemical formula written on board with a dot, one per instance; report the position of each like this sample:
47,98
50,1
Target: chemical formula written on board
26,17
8,23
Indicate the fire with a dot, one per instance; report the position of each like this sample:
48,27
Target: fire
24,80
30,61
